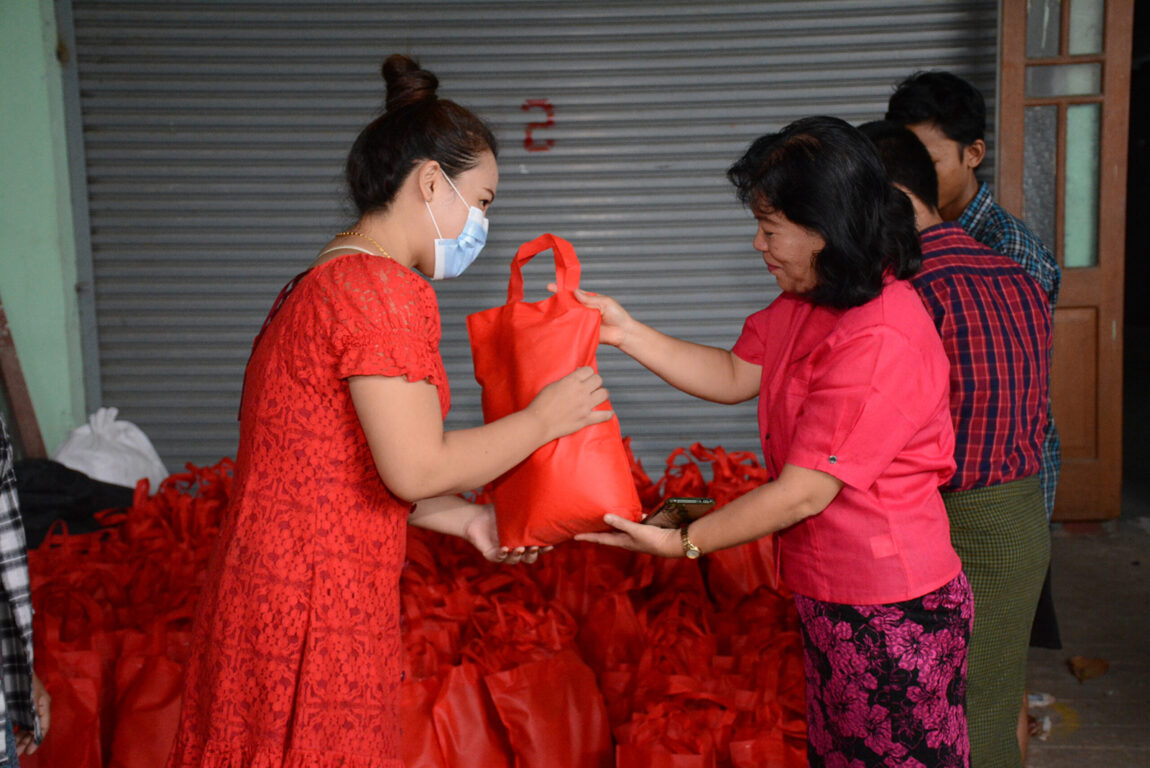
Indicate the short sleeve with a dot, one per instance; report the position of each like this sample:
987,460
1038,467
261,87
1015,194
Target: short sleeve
384,319
751,343
868,396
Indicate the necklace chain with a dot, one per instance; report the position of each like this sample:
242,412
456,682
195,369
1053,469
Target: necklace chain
353,233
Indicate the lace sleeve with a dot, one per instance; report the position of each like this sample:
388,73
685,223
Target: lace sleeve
384,319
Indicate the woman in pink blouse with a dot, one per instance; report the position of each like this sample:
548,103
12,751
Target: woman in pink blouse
856,431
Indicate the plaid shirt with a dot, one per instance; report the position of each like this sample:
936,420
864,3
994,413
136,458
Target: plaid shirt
994,226
991,225
15,609
996,328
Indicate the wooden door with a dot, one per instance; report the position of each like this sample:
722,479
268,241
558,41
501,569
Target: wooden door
1063,124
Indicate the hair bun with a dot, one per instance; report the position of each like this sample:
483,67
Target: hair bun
407,82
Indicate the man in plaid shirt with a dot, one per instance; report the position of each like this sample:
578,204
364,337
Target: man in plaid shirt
995,324
948,115
23,700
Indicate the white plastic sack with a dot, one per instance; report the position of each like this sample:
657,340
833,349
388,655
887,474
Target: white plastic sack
112,451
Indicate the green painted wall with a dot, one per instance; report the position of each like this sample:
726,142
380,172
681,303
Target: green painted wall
37,244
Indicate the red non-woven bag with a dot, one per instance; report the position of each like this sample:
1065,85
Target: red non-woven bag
148,687
467,724
554,713
420,748
565,487
634,756
74,738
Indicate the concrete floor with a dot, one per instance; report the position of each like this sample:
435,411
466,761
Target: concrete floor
1101,594
1101,590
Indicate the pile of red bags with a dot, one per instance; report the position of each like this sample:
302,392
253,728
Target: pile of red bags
592,657
113,618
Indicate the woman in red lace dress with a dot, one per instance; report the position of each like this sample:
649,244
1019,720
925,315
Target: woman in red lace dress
296,658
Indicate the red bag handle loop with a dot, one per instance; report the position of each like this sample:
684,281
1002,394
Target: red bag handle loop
567,268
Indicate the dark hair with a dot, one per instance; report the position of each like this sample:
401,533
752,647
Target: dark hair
946,100
415,126
906,160
824,175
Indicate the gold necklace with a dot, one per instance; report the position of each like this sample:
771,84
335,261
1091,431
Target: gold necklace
352,233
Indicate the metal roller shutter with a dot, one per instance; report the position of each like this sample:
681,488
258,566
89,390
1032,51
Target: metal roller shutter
215,134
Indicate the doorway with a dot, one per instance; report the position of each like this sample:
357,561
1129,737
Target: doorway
1136,373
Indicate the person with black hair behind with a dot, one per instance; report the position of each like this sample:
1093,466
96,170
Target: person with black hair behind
995,325
296,651
948,115
855,424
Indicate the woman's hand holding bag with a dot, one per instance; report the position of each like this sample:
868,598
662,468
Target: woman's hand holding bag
534,356
561,405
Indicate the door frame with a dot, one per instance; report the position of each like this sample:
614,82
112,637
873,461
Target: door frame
1090,309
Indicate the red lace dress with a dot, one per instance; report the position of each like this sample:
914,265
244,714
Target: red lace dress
296,657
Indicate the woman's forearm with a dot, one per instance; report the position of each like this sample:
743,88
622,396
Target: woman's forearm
433,462
480,454
705,372
474,523
796,495
449,515
417,459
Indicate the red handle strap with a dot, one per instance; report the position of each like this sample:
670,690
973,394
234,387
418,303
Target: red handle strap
567,268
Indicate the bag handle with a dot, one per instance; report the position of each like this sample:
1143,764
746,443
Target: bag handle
567,268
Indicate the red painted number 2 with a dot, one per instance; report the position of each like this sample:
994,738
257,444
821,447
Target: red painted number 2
530,143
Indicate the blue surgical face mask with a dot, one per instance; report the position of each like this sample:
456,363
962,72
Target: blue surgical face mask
453,255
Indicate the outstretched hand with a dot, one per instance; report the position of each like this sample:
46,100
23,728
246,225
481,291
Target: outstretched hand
664,542
616,321
483,534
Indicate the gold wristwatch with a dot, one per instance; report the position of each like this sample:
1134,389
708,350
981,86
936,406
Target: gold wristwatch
690,551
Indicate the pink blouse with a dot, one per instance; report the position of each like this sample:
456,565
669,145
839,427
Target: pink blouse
861,394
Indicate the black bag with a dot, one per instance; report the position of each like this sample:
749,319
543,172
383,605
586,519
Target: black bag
49,491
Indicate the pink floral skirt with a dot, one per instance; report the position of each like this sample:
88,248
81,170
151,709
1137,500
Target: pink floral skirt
886,684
